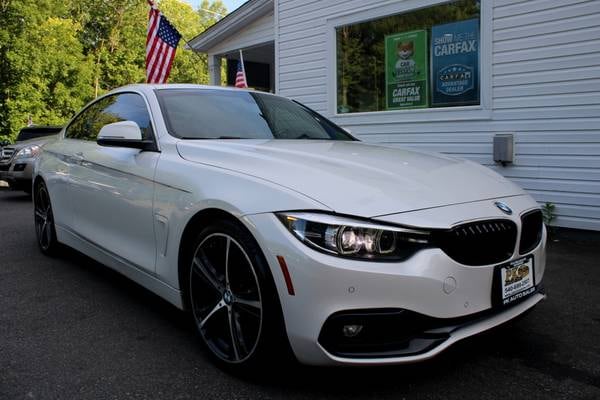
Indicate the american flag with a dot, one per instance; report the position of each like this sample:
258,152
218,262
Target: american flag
240,77
161,44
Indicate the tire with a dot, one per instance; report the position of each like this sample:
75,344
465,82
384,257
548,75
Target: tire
232,299
44,221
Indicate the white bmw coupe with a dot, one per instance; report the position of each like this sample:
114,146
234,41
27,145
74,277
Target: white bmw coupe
279,231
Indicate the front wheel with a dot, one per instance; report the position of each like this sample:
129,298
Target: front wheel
44,220
232,297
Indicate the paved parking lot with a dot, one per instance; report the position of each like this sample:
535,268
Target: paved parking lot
72,329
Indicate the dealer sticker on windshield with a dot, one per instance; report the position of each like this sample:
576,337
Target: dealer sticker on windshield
517,280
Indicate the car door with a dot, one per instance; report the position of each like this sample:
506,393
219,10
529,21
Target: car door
114,187
63,157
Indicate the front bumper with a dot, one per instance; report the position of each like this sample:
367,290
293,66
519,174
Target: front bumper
429,283
18,172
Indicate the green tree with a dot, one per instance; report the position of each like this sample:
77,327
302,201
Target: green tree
187,66
47,74
56,55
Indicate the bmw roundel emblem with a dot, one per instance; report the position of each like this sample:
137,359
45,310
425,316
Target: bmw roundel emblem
503,207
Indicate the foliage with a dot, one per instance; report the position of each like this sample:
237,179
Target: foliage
548,212
56,55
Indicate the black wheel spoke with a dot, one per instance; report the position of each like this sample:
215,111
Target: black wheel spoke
44,224
249,311
220,305
43,234
227,246
207,275
248,303
234,339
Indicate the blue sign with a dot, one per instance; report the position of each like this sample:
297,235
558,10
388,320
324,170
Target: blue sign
455,63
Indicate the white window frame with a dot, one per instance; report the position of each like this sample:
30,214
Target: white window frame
483,111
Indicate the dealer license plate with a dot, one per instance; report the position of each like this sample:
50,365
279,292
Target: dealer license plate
517,280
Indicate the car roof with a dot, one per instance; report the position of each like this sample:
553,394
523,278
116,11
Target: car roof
148,87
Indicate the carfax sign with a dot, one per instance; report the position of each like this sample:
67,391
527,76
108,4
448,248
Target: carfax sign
455,63
406,70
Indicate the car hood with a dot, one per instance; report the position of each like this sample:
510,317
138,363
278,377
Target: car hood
354,177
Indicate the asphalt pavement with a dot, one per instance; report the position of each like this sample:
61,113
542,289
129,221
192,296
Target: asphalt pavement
73,329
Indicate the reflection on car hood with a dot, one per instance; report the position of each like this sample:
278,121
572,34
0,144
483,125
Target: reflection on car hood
354,177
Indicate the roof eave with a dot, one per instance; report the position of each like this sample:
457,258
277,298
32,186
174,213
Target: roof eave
230,24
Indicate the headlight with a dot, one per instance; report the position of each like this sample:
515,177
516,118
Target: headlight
28,152
353,238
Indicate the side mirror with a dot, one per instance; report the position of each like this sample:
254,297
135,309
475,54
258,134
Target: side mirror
124,134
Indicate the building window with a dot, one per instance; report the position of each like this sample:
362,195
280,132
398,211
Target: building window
426,58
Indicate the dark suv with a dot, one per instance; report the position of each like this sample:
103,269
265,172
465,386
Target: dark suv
16,160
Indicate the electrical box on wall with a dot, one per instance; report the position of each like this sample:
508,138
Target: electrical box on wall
504,149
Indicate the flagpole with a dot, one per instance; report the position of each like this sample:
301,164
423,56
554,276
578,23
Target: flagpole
243,66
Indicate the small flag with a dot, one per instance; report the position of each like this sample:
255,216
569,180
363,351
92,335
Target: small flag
240,76
161,45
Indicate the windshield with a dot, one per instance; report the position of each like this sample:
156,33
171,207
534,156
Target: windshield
229,114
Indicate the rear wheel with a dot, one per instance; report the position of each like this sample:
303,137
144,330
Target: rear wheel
44,220
232,297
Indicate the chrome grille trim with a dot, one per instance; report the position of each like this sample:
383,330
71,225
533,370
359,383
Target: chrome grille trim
6,154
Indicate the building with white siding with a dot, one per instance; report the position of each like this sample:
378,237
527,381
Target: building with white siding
444,76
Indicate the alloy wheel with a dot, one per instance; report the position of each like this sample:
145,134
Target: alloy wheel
225,297
44,221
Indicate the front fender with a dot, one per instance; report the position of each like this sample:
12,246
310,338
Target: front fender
184,189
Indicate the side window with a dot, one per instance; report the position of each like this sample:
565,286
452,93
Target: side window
126,107
80,128
116,108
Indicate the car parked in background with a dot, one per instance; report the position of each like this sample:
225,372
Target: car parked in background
16,160
277,229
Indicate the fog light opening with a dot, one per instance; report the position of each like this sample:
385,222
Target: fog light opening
351,330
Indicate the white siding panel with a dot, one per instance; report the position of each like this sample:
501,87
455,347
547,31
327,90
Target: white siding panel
531,6
306,82
292,67
548,39
549,173
590,85
499,3
305,74
558,63
562,25
545,89
548,101
291,37
570,74
306,49
301,58
548,53
556,10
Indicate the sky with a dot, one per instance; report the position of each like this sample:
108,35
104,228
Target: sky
230,4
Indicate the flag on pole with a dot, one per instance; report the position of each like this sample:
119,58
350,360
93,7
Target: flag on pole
161,45
240,76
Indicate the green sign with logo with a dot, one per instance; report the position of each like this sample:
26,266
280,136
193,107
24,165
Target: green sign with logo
406,70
